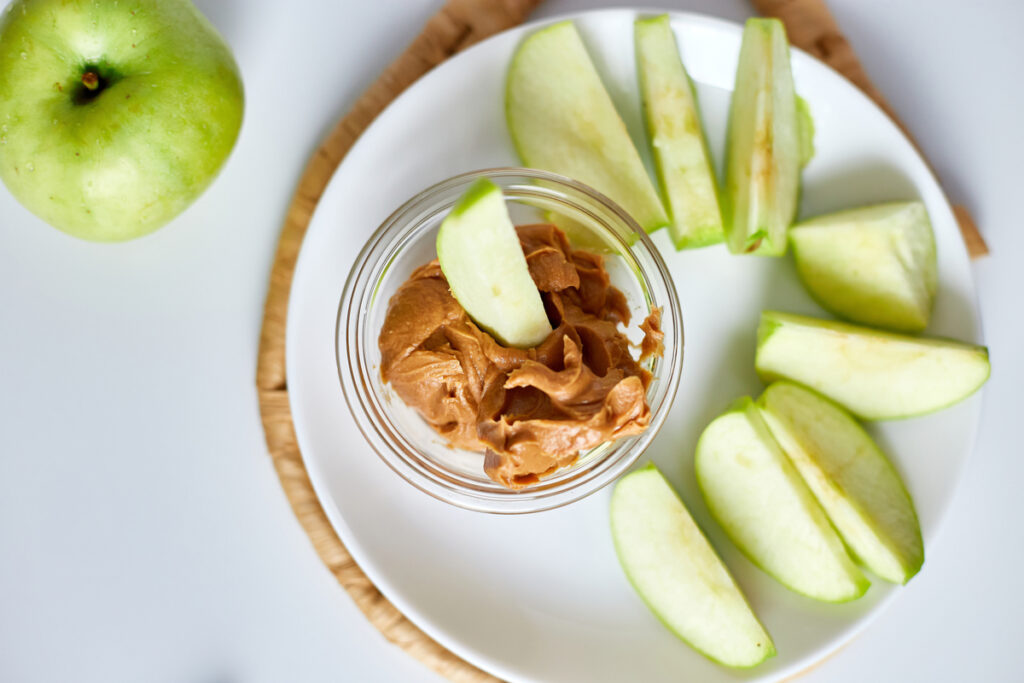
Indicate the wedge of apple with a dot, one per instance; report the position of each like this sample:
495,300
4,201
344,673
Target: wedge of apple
765,507
806,123
680,149
677,573
765,144
875,375
562,119
875,265
480,256
854,482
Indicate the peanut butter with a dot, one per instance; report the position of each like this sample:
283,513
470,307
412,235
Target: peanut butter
530,411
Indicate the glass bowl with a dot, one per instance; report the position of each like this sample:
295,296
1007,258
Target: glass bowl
404,242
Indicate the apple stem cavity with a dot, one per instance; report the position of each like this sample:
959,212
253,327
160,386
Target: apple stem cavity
94,81
91,80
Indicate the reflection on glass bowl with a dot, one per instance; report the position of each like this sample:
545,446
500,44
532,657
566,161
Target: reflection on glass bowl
405,241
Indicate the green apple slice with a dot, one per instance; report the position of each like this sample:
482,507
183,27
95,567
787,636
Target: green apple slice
874,265
562,119
765,144
680,149
852,479
765,507
875,375
677,573
806,122
480,256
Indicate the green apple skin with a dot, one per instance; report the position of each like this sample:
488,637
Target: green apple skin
763,504
680,149
874,374
562,119
120,161
481,257
677,573
854,482
805,121
874,265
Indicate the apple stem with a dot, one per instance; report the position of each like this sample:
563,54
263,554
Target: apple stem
91,80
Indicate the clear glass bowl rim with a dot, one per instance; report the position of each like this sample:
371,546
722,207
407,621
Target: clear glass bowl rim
365,275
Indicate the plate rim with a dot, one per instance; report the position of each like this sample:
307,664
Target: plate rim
422,620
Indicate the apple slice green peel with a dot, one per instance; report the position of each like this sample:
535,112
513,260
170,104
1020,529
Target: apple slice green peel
874,265
480,256
562,119
765,507
851,478
680,149
875,375
766,144
677,573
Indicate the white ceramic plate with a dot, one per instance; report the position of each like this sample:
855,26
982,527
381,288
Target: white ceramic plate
541,597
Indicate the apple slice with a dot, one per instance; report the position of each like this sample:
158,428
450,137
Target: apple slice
874,265
562,119
765,144
806,121
852,479
681,153
677,573
480,256
759,498
875,375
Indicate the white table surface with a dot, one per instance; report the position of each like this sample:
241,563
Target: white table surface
143,533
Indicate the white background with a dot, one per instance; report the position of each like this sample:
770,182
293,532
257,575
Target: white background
143,533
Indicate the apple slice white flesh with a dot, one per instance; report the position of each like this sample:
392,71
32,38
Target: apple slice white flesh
677,573
562,119
852,479
875,375
875,265
680,149
764,144
483,261
765,507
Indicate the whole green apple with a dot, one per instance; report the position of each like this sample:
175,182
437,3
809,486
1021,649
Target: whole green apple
114,114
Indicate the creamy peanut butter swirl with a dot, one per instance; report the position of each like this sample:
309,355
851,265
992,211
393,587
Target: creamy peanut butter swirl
530,411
